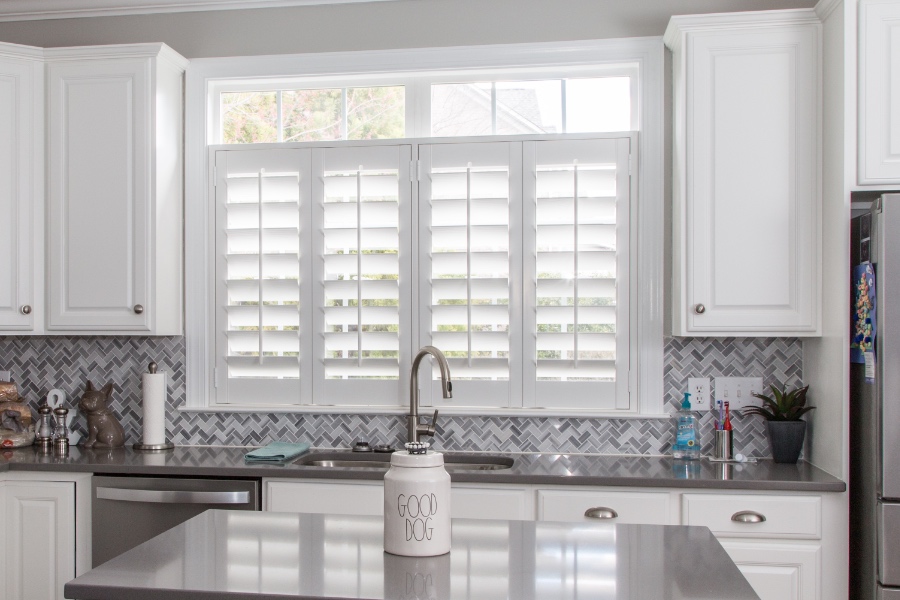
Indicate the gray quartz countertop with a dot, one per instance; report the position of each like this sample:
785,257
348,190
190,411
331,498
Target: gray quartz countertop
238,555
540,468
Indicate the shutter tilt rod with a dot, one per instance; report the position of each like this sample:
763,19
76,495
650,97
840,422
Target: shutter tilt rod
575,257
259,230
469,264
359,347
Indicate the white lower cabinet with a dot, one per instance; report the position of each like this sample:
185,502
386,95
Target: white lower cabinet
46,526
779,571
789,545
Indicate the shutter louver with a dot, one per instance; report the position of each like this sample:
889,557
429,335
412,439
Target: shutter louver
258,294
468,245
361,274
362,204
580,278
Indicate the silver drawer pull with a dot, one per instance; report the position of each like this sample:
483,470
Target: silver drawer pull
747,516
600,512
173,497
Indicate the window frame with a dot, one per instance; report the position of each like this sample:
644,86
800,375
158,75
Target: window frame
647,221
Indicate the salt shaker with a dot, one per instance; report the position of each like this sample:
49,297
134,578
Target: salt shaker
417,503
44,434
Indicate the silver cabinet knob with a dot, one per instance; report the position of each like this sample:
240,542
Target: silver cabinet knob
748,516
26,309
138,309
699,309
600,512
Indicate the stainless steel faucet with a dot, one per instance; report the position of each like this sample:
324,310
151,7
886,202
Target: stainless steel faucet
413,427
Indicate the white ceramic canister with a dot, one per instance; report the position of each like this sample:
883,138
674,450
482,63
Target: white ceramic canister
417,505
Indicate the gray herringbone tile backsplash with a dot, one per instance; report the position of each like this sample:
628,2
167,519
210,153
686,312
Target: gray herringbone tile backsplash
42,363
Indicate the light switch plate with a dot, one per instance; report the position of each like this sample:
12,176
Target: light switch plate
5,375
738,391
698,387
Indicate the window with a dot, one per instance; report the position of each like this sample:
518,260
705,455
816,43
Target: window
451,105
335,255
522,267
312,115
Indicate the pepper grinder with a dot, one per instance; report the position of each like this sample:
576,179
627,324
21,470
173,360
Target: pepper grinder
44,436
61,439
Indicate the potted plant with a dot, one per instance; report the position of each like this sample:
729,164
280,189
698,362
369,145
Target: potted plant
783,410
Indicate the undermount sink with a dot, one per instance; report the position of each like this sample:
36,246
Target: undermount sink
454,463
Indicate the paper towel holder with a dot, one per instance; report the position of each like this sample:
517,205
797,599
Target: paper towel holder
152,368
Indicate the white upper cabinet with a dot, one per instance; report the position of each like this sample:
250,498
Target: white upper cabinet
21,181
746,188
879,83
114,189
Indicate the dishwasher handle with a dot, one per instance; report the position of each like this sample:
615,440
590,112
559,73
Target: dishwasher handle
173,497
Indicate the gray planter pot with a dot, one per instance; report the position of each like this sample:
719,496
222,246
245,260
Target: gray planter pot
787,440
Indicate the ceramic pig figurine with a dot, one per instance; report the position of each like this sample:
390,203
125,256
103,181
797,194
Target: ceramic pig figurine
104,431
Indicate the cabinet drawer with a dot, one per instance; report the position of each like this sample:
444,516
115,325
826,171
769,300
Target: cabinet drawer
359,499
650,508
488,503
785,516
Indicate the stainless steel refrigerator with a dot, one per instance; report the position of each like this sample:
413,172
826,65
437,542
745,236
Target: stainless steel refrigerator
875,403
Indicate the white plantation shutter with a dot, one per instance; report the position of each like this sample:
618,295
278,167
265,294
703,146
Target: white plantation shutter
259,198
362,211
520,271
469,241
313,275
576,281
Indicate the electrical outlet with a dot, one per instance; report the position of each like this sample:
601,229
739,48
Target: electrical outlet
738,391
698,387
5,376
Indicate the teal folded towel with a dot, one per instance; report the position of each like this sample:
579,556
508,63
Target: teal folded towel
277,452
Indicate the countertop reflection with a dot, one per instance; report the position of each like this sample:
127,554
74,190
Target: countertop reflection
247,555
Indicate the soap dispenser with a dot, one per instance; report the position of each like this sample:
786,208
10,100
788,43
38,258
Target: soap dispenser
687,441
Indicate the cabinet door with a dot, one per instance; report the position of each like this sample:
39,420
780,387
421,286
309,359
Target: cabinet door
40,525
747,231
19,111
99,194
879,83
778,572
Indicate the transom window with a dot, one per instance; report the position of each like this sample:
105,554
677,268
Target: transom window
425,105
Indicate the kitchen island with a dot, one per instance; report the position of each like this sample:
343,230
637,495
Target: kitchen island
268,556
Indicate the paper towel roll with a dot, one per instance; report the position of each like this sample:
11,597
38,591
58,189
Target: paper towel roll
154,399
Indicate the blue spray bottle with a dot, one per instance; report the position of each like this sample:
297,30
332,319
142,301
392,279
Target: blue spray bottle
687,442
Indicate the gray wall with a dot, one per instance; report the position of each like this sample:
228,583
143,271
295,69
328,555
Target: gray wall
378,25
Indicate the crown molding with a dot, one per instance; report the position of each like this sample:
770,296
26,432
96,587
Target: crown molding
682,24
33,10
18,51
824,8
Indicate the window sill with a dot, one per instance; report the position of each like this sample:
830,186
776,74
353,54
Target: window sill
424,410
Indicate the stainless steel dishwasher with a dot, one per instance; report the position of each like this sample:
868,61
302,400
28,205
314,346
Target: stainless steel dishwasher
128,511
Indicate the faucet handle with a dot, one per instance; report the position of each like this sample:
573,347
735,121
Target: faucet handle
433,425
429,429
